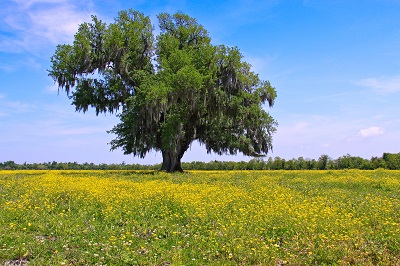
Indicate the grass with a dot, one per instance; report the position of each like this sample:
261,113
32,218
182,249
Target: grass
200,218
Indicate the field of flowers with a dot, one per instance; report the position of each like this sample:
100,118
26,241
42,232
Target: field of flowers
200,218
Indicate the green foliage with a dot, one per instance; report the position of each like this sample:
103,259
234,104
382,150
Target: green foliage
387,161
323,162
173,89
392,160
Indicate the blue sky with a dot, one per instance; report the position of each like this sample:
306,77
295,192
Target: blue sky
335,65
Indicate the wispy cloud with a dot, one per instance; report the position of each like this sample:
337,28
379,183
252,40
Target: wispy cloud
391,84
29,3
310,136
14,107
33,24
53,128
27,62
371,131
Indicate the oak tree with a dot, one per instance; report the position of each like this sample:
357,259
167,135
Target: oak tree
168,90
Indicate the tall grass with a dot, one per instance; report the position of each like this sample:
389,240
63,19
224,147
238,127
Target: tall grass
200,218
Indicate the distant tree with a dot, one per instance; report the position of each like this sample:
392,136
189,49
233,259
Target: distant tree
358,162
366,165
312,164
255,164
173,89
73,166
9,165
378,163
62,166
323,162
344,162
301,163
269,163
278,163
42,167
392,160
291,164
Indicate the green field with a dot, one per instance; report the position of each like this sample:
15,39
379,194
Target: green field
200,218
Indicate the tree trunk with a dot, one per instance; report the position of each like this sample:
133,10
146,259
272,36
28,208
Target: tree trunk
172,158
171,161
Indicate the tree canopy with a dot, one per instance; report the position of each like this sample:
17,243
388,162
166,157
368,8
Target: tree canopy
168,90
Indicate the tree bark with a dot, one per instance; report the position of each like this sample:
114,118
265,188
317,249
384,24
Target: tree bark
171,162
172,158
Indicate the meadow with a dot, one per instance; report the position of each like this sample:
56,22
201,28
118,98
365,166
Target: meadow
200,217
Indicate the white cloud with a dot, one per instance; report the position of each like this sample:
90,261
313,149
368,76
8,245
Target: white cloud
57,24
310,136
391,84
371,131
29,3
34,24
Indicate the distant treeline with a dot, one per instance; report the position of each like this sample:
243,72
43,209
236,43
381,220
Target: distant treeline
387,161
